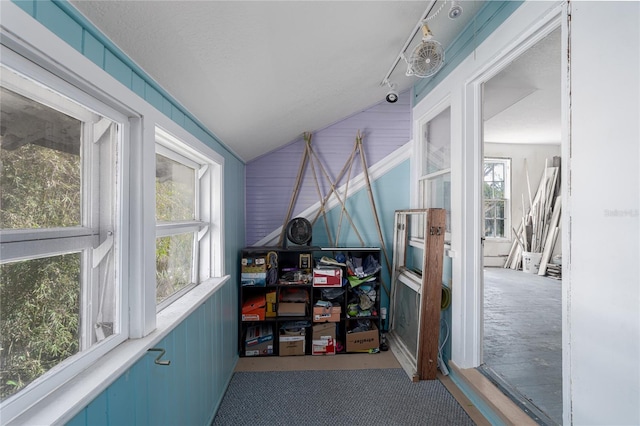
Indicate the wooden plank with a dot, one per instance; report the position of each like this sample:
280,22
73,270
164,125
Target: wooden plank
551,237
296,189
429,332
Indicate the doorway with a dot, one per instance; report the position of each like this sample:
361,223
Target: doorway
521,282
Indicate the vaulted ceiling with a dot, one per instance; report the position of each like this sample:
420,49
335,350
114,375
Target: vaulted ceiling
260,73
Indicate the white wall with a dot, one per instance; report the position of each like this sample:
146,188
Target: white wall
601,298
496,251
603,294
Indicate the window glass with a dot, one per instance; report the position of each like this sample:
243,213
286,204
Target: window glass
436,193
59,291
435,181
175,190
174,264
40,183
496,197
40,317
436,139
182,234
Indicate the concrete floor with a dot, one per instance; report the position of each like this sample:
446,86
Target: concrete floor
523,338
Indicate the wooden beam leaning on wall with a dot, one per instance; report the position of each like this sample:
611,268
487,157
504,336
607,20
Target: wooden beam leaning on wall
431,299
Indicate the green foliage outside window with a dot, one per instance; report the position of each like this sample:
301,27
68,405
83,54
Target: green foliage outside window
39,298
175,201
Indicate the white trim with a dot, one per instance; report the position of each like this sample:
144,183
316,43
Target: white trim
416,159
376,171
474,157
16,82
529,23
61,406
565,170
164,229
101,176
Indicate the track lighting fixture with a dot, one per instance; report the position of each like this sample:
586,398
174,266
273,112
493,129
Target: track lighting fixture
428,57
455,11
392,95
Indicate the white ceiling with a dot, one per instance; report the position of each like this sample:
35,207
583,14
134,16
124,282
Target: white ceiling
260,73
522,102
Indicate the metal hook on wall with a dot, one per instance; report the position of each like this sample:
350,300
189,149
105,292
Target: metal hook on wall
158,359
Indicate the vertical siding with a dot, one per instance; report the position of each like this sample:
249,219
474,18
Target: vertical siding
187,392
271,178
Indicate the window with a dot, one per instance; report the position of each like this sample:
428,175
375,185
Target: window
495,191
59,285
78,239
435,180
183,218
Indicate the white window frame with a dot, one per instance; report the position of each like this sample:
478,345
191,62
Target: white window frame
506,162
145,327
207,179
29,79
424,178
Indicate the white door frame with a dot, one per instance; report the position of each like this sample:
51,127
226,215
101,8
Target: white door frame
471,338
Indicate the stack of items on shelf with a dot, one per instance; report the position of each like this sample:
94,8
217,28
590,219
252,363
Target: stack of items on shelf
327,277
292,338
254,271
259,340
324,339
326,313
294,303
362,335
361,276
554,269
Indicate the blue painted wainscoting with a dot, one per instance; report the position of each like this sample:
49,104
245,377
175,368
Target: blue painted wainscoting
203,353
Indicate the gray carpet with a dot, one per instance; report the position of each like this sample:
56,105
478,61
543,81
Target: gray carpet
347,397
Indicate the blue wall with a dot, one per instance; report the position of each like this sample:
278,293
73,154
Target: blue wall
390,193
187,392
203,349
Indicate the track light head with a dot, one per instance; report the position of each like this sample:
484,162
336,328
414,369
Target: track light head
455,11
392,95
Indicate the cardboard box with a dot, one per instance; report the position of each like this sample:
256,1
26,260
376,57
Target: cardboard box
288,309
271,305
254,309
259,340
291,345
324,337
324,330
323,347
330,314
363,340
327,277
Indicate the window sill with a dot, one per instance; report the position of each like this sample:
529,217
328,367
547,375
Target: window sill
498,240
62,405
